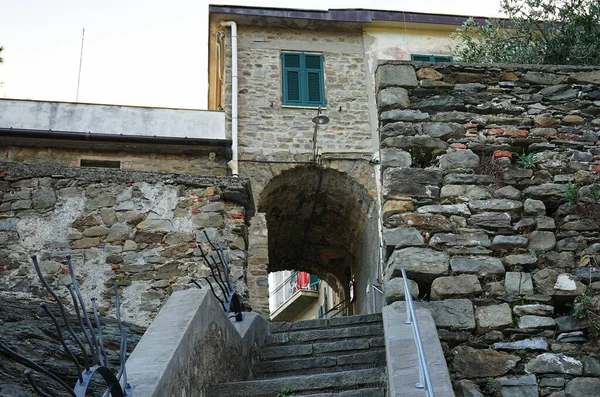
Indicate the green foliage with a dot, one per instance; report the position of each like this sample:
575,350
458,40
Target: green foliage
572,194
492,386
286,392
486,196
595,190
586,310
526,161
535,32
1,59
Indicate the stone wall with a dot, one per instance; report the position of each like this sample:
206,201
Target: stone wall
266,128
145,229
491,190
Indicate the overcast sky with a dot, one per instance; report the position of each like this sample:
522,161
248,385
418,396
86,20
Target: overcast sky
137,52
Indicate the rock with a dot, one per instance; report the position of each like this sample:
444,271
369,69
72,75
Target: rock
570,324
467,179
392,207
588,77
508,192
429,73
525,344
11,390
493,317
591,366
455,287
430,222
583,387
483,267
396,97
464,240
216,206
467,388
470,191
572,119
411,116
524,260
545,280
412,182
396,76
95,231
108,216
178,238
537,310
104,199
551,363
130,245
44,198
119,232
458,159
454,314
541,241
421,264
86,242
394,290
550,193
518,283
495,205
543,78
448,209
50,267
552,382
399,128
536,322
392,157
494,221
418,144
545,223
544,132
443,131
534,208
442,103
474,363
544,124
554,259
208,219
470,87
519,386
560,92
401,237
508,243
21,205
567,284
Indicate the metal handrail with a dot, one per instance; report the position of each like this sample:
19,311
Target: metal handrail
377,289
411,319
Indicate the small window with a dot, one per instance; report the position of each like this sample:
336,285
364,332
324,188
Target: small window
302,79
99,163
430,58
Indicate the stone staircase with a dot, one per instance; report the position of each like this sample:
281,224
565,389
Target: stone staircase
341,356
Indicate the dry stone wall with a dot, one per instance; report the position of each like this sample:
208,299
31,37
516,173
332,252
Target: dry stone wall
144,229
491,189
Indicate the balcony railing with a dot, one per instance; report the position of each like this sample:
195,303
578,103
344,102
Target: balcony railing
296,282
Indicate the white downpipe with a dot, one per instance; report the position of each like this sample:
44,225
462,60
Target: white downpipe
233,164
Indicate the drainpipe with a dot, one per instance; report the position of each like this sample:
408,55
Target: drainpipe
233,163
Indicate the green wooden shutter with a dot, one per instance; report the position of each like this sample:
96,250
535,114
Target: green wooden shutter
314,280
291,78
302,79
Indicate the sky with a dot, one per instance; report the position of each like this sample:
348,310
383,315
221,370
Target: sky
137,52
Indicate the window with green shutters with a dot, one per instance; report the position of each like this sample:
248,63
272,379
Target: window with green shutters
430,58
302,79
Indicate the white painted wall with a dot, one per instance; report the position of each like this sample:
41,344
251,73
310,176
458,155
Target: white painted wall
111,119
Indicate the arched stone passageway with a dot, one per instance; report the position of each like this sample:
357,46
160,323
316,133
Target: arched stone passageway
320,221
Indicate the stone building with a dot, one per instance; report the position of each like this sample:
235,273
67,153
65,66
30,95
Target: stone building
315,186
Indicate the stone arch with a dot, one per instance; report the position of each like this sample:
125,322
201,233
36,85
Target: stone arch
317,220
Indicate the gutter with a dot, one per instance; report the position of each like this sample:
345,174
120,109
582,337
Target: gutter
101,137
233,163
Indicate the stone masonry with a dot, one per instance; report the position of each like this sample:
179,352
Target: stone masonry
491,201
144,229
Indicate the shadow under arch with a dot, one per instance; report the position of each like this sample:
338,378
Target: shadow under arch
316,219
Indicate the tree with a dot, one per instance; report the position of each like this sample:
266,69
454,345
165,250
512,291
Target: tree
1,59
562,32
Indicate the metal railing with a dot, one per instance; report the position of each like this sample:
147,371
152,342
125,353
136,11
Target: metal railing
376,288
411,319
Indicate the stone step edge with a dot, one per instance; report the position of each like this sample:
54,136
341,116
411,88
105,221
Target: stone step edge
325,334
340,381
317,349
336,360
358,320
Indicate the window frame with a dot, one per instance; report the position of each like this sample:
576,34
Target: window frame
431,58
303,77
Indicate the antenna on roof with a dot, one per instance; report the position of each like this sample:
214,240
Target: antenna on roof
80,61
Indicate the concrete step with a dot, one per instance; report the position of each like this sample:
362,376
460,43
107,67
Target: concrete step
371,392
313,335
320,348
326,323
315,384
330,363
